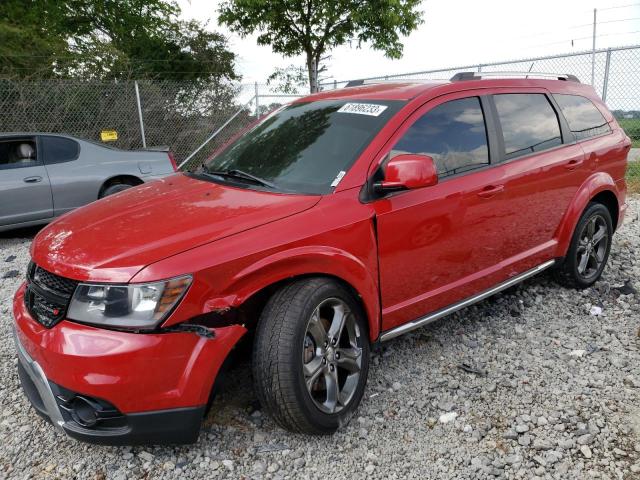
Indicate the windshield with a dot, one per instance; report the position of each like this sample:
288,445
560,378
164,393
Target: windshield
305,147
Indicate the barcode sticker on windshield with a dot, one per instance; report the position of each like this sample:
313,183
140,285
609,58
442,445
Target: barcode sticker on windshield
336,181
371,109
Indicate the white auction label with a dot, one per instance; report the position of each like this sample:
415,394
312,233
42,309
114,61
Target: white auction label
371,109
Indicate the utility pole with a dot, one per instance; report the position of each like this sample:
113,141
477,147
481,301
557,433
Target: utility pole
593,51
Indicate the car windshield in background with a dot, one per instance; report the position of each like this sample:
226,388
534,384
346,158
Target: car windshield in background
303,148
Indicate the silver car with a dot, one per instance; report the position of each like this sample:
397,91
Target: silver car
43,175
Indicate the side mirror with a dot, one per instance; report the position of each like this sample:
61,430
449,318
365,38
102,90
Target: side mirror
407,172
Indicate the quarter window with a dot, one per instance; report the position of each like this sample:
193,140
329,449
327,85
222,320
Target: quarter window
453,134
583,117
529,123
59,149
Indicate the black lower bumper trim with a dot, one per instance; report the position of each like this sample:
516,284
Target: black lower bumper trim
162,427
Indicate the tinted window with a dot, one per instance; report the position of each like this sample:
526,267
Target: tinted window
17,153
529,123
453,134
59,149
583,117
306,147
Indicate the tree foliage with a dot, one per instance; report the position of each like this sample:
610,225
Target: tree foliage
108,39
313,27
288,80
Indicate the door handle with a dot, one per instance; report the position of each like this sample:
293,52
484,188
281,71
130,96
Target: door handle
490,190
573,164
35,179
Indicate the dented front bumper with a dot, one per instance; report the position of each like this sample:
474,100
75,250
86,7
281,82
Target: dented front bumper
133,374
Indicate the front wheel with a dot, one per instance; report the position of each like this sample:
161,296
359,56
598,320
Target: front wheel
589,249
311,356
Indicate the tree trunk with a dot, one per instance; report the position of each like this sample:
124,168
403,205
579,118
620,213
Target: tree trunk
312,68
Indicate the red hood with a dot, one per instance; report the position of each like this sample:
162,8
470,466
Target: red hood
113,238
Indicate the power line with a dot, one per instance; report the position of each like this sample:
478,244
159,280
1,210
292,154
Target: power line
620,6
575,27
582,38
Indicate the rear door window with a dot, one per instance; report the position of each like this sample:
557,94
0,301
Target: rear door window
453,134
583,117
529,123
59,149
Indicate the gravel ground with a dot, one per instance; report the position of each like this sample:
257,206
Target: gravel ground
532,383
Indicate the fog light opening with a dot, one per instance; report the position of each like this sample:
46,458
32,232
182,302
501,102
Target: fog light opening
84,412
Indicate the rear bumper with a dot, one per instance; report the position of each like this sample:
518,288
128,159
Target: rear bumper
142,388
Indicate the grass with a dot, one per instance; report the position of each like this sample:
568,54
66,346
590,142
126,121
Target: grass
633,177
632,127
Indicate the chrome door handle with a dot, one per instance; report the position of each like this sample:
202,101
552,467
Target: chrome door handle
32,179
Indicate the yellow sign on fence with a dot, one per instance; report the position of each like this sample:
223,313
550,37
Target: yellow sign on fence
108,135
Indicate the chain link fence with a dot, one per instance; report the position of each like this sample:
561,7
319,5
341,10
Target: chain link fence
613,72
180,115
195,119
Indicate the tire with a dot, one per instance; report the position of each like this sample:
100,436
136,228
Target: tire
113,189
588,244
288,355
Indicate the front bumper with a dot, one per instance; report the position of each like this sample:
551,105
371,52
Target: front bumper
144,388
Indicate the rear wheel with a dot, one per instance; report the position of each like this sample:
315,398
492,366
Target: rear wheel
311,356
589,249
113,189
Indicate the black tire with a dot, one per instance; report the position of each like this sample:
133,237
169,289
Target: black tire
115,188
282,347
570,272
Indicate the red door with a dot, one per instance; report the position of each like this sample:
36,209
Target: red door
541,175
443,243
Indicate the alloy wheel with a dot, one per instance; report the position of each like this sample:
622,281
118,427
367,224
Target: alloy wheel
332,355
592,246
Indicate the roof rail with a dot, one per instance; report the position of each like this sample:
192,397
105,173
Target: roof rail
461,76
376,81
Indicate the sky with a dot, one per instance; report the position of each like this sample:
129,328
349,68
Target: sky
456,33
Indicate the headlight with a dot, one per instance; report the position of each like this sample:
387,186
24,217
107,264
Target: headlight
134,306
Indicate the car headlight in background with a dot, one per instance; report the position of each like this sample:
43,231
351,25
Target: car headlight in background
132,306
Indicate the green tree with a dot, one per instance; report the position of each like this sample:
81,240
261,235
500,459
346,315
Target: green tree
108,39
313,27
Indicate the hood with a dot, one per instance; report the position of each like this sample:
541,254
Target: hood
112,239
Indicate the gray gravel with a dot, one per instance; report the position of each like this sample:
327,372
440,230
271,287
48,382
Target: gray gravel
532,383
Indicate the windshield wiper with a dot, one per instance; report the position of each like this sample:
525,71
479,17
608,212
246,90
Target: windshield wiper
235,173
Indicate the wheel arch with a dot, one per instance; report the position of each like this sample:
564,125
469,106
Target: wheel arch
609,200
600,188
251,288
118,179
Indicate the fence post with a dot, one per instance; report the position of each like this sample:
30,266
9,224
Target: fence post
144,140
479,68
605,82
257,101
593,49
222,127
335,84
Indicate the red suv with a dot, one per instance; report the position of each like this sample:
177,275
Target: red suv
342,220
